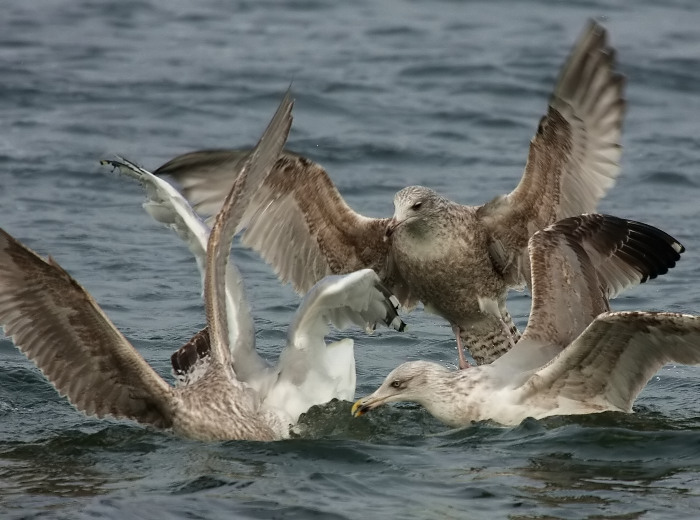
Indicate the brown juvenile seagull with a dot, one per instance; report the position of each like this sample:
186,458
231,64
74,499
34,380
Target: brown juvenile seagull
58,325
575,356
458,260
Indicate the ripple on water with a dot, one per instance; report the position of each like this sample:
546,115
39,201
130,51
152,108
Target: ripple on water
669,178
389,94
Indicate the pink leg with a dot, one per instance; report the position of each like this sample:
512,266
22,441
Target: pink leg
463,363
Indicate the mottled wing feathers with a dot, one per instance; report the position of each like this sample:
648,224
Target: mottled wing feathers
166,205
301,225
59,327
573,158
205,176
623,252
579,263
615,357
251,175
297,220
577,146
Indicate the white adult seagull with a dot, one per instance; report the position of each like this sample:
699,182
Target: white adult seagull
58,325
458,260
308,372
574,357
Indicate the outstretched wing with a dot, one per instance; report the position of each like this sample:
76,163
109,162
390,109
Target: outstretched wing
166,205
58,326
249,178
614,358
206,176
578,264
297,220
358,298
573,159
311,372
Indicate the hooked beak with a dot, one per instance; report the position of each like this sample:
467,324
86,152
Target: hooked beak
364,405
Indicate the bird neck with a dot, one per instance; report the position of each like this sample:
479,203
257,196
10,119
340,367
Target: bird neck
448,395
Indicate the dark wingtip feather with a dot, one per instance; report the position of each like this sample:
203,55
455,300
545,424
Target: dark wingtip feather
392,319
185,358
656,248
651,251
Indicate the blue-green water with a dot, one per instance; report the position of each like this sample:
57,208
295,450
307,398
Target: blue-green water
445,94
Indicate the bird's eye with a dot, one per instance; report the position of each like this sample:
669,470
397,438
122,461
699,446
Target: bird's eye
396,384
416,206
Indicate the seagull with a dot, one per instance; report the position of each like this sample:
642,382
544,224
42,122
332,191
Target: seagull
575,356
460,261
59,326
309,372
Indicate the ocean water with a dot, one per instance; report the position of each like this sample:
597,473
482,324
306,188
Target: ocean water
441,93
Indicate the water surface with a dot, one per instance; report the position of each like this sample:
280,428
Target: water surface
445,94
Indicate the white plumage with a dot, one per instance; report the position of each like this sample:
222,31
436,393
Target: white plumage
308,372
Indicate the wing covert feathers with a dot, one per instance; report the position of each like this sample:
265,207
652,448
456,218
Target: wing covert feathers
59,327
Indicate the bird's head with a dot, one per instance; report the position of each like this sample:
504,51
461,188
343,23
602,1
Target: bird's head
414,209
412,382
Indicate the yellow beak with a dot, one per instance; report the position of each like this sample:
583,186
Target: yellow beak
357,409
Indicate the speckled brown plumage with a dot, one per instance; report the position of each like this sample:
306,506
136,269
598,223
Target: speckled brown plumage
463,267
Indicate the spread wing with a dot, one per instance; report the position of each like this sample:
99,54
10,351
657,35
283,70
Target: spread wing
166,205
614,358
358,298
251,174
58,326
297,220
311,372
578,264
573,159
